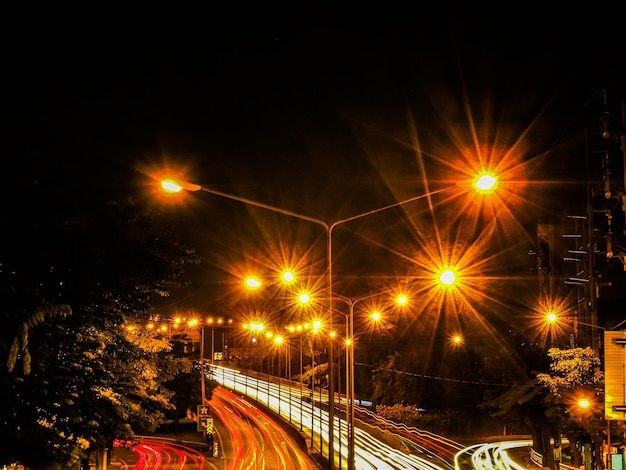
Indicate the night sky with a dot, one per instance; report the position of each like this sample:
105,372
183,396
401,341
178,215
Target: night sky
324,113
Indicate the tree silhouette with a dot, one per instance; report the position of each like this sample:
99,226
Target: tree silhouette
76,272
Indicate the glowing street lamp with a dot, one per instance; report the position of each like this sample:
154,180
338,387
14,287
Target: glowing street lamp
447,277
485,183
456,339
349,344
304,297
402,299
287,277
252,283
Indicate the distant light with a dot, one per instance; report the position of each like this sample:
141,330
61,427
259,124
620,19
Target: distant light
551,317
252,282
402,300
584,403
376,316
256,326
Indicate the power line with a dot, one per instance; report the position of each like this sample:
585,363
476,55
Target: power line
446,379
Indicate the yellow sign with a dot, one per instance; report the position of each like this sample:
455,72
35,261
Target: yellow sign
205,425
614,376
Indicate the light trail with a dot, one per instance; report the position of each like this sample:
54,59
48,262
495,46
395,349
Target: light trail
275,444
492,456
159,453
298,406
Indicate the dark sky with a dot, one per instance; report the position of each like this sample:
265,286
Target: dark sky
328,113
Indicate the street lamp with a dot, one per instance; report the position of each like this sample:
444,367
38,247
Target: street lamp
484,183
553,317
401,300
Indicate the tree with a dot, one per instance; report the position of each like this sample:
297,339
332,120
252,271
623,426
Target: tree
76,272
530,406
575,376
547,404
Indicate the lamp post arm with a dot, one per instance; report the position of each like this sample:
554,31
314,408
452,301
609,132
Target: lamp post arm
618,325
331,383
329,229
251,202
390,206
590,325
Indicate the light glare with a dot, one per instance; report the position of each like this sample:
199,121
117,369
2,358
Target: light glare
171,186
252,282
447,277
485,183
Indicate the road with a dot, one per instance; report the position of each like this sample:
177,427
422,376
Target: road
413,448
256,440
247,437
306,410
162,453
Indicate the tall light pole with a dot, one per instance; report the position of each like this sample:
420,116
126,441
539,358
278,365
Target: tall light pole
350,375
350,302
202,378
483,183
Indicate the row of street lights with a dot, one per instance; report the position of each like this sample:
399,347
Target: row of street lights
484,183
305,298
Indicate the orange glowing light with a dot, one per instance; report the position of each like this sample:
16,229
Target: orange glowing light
486,182
252,283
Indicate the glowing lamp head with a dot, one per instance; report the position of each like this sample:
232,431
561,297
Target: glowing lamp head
551,317
171,186
447,277
256,326
485,182
252,283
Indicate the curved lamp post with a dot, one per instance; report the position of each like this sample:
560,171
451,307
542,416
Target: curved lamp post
483,184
